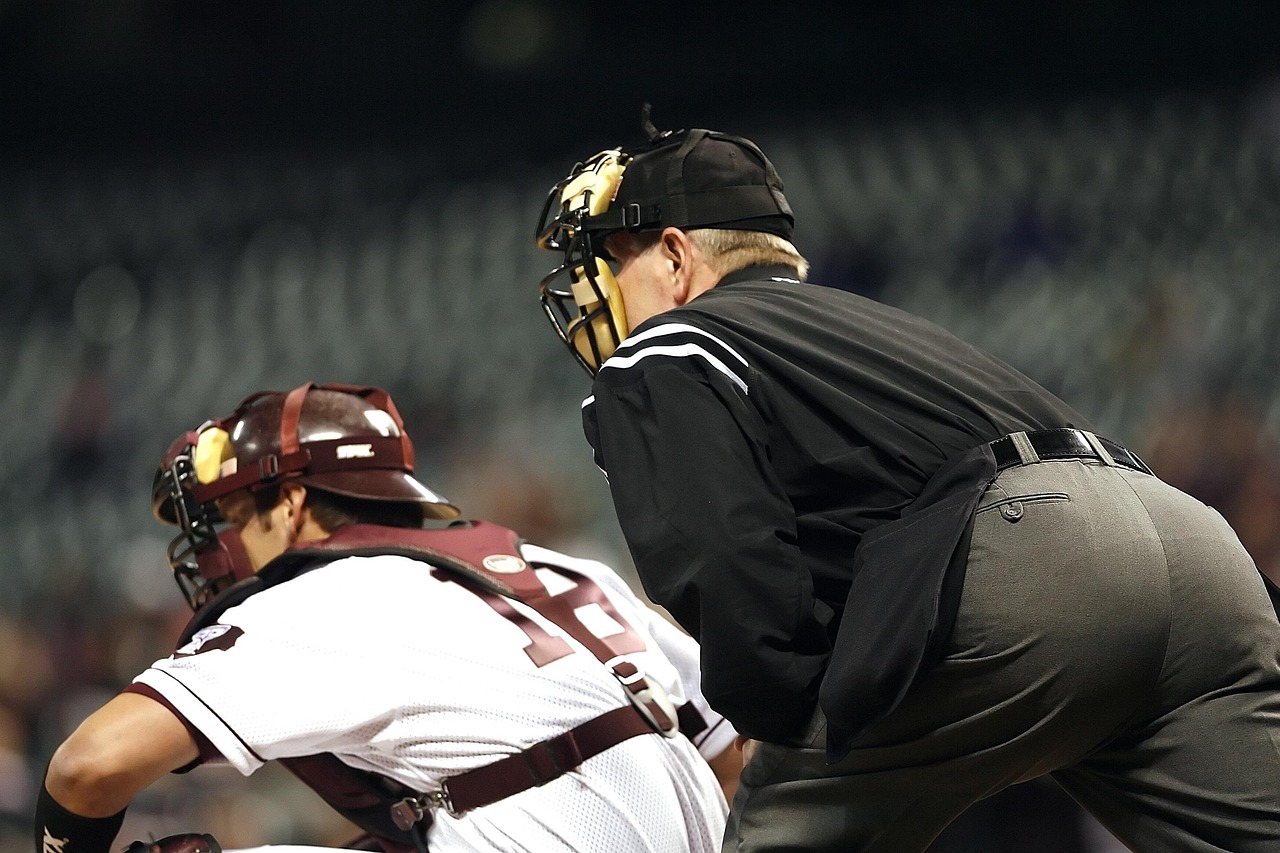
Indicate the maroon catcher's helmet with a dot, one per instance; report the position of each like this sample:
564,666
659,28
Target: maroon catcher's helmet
344,439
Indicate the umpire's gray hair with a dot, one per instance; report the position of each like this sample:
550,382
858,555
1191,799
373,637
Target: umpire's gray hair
731,250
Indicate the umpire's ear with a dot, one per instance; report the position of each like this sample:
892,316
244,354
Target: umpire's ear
690,274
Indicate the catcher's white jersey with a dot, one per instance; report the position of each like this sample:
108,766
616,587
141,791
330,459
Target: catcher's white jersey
395,669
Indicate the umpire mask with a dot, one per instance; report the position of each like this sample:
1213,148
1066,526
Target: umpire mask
684,179
581,297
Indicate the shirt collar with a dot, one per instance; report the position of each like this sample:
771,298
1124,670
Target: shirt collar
763,272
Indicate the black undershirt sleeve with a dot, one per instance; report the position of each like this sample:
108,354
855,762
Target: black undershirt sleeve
60,831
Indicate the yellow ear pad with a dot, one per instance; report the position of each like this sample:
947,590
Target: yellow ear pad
605,324
213,449
596,186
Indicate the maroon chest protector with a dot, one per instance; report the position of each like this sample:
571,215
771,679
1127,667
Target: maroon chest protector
485,558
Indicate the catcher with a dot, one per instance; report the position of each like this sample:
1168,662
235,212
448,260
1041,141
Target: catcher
440,682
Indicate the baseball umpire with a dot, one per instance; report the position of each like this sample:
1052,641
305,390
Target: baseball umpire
917,576
446,686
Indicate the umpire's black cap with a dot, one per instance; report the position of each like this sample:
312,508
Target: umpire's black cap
702,179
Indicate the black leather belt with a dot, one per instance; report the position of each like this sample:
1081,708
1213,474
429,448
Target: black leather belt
1050,444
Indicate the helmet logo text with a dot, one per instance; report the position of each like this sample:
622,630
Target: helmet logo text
355,451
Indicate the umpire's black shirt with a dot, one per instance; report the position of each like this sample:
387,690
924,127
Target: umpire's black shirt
753,435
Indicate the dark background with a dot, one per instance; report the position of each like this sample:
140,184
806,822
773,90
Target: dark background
519,80
482,99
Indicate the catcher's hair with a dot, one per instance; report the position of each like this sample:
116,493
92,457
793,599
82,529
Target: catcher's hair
332,510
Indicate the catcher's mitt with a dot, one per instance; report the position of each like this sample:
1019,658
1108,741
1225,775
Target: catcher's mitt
184,842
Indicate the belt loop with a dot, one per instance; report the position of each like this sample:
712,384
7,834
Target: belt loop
1103,454
1022,444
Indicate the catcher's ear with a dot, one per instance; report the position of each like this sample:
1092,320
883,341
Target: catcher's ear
293,497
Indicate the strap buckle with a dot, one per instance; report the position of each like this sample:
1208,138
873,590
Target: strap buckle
411,811
648,697
631,215
269,467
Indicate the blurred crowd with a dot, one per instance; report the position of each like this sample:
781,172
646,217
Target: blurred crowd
1164,361
70,648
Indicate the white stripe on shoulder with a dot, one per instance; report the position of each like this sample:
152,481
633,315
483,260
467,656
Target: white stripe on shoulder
664,329
622,362
588,401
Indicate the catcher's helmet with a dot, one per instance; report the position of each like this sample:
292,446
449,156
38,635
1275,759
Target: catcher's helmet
687,179
343,439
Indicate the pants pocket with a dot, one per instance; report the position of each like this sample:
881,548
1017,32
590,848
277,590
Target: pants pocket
1012,508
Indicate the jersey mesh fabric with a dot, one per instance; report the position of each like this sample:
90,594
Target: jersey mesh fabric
395,669
679,648
580,811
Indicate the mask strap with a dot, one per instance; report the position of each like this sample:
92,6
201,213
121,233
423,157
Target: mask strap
289,419
675,209
380,398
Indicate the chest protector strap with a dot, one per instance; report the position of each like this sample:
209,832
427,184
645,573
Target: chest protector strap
484,558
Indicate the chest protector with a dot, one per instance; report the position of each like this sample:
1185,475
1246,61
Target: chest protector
485,559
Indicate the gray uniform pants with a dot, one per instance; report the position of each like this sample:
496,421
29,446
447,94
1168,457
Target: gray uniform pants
1113,633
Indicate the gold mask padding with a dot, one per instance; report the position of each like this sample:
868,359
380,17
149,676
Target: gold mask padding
593,322
591,192
596,186
213,448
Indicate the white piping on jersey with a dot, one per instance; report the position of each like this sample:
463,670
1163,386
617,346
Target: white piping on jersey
681,350
200,703
671,328
585,403
621,361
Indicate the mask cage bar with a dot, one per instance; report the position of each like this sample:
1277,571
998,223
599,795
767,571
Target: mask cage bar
563,311
197,526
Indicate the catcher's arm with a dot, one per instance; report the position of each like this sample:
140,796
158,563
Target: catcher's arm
120,749
728,767
117,751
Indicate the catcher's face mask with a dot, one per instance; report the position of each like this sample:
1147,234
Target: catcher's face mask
581,296
344,439
207,555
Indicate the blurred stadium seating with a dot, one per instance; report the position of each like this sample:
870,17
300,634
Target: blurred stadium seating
142,295
1122,251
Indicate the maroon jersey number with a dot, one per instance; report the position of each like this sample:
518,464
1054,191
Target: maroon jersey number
562,609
